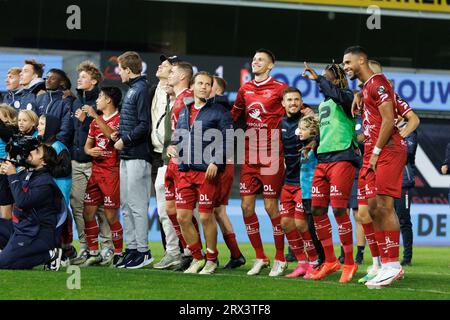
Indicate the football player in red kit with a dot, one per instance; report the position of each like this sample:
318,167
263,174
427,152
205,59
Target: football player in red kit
387,152
263,167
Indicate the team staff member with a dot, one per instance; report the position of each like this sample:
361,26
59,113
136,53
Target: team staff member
30,238
260,101
197,182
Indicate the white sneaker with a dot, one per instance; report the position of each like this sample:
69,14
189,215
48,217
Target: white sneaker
386,276
258,266
196,266
278,268
107,255
168,261
210,267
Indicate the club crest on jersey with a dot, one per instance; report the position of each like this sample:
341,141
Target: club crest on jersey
255,110
102,143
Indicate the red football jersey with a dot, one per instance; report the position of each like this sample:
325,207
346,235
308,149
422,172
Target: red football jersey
178,105
376,91
401,105
110,156
261,102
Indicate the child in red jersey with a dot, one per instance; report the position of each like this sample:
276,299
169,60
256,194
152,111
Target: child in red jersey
103,187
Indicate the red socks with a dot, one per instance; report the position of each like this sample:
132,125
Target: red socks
370,237
117,236
392,245
346,237
323,230
309,247
196,250
252,227
381,241
296,244
211,256
230,240
91,232
278,236
176,226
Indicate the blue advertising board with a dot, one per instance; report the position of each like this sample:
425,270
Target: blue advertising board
431,224
423,91
9,60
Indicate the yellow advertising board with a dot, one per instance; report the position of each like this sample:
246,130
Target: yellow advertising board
442,6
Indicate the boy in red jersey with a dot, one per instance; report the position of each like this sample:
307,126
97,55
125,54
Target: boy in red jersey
387,152
263,168
103,187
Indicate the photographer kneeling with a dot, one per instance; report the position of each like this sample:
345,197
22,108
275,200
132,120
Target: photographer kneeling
30,238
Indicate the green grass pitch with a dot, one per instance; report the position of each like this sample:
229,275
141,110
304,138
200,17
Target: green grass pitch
428,278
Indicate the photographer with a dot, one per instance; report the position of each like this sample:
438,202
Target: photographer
30,238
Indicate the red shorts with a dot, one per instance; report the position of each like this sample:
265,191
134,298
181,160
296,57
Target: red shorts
333,183
291,202
170,180
254,179
388,176
225,184
103,189
193,188
362,197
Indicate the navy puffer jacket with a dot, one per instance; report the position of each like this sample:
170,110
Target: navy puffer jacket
135,121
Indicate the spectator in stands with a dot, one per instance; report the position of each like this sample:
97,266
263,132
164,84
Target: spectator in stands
32,83
445,165
13,93
52,103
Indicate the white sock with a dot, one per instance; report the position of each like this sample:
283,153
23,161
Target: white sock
376,262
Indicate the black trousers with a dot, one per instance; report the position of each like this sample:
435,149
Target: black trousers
402,207
23,252
312,229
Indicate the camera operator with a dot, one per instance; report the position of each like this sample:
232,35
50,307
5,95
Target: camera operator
30,238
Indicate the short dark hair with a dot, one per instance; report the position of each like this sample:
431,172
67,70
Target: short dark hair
202,73
356,50
268,52
37,67
114,94
187,69
291,90
221,82
60,73
49,156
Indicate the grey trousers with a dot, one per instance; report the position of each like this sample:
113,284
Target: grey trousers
81,173
135,189
172,243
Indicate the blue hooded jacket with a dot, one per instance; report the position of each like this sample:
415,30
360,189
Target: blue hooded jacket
12,98
29,95
52,103
38,203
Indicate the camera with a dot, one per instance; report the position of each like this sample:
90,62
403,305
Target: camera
19,148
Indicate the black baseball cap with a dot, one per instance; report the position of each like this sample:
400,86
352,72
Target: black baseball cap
171,59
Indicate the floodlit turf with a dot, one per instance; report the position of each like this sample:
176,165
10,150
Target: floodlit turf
428,278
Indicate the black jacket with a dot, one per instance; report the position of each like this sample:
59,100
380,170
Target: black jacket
447,156
188,139
410,167
81,129
135,121
291,149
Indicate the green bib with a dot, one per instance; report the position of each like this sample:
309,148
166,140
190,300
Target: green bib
337,130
